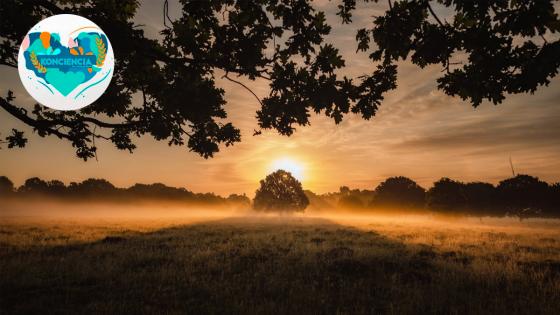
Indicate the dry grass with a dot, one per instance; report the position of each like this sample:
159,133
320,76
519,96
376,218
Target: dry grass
290,265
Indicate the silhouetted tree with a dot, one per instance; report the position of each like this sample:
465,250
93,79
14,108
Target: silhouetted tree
554,200
522,192
354,198
94,187
56,187
101,189
447,194
159,190
209,198
239,199
399,192
350,201
37,185
319,202
481,197
280,191
487,49
34,185
6,185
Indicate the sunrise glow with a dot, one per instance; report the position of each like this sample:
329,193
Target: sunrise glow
289,165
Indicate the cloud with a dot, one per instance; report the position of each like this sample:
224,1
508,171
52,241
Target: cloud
522,128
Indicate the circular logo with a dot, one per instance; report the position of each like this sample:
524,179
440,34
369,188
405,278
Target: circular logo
66,62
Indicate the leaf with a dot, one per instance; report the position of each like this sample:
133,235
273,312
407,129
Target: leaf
16,139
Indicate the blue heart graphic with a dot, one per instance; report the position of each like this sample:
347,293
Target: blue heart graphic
65,67
64,82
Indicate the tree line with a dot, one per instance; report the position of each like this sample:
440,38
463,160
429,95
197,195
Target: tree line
522,196
101,189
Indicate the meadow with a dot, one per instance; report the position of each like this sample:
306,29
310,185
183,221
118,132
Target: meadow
240,262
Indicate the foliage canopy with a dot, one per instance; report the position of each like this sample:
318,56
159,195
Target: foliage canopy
280,191
399,191
166,87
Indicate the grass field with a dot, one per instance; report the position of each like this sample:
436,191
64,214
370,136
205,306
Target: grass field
271,265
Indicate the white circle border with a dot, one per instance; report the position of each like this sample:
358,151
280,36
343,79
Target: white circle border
65,25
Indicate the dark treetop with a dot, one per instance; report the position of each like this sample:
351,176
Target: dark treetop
280,191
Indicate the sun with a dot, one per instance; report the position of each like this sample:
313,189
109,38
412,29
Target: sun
289,165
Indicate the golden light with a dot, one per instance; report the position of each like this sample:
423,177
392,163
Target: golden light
289,165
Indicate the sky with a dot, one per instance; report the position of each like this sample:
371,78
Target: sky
419,132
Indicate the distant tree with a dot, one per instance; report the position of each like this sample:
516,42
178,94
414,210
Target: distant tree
344,190
447,194
159,190
94,187
350,201
399,192
481,197
319,202
96,184
554,199
210,198
56,187
522,192
37,185
101,189
367,196
239,199
6,185
34,185
280,191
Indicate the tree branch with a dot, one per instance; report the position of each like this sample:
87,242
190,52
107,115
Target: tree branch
47,124
243,85
13,65
40,125
166,14
434,14
49,6
108,125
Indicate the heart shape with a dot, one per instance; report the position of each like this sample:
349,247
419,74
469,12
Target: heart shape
65,67
64,82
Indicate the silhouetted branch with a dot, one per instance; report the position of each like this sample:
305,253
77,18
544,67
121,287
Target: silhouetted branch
49,6
13,65
243,85
166,14
38,124
434,14
106,124
48,125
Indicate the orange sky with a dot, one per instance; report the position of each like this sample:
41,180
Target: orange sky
418,132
